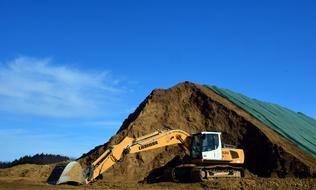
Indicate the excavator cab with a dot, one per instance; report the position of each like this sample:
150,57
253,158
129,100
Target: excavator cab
206,146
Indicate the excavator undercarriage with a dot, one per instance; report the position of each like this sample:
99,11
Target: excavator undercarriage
194,173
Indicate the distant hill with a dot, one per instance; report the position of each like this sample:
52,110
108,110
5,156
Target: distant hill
35,159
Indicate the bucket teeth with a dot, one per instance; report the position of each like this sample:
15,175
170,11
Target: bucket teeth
72,174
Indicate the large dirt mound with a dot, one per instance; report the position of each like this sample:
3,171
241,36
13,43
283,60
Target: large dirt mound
196,108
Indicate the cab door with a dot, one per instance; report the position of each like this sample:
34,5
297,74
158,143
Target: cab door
211,146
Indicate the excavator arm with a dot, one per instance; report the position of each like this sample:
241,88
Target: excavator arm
128,145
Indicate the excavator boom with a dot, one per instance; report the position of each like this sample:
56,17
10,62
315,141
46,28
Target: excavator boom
112,155
209,156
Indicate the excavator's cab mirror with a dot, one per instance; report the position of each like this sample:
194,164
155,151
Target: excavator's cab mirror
206,146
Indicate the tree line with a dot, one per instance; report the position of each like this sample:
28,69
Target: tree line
35,159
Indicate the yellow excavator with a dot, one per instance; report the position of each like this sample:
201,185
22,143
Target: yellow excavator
209,157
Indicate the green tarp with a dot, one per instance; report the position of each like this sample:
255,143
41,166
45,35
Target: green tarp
296,127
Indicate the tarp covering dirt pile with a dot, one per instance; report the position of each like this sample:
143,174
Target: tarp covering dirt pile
195,108
296,127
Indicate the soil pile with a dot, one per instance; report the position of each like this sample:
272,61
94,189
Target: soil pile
195,108
30,171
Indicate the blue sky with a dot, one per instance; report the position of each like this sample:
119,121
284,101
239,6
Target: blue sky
72,71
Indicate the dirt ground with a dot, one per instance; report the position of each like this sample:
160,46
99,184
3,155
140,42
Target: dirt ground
18,183
30,176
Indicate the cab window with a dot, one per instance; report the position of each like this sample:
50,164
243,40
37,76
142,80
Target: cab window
209,142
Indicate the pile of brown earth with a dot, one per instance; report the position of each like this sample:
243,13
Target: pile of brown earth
33,172
195,108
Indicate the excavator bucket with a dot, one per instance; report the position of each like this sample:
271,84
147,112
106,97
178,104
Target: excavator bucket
72,174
